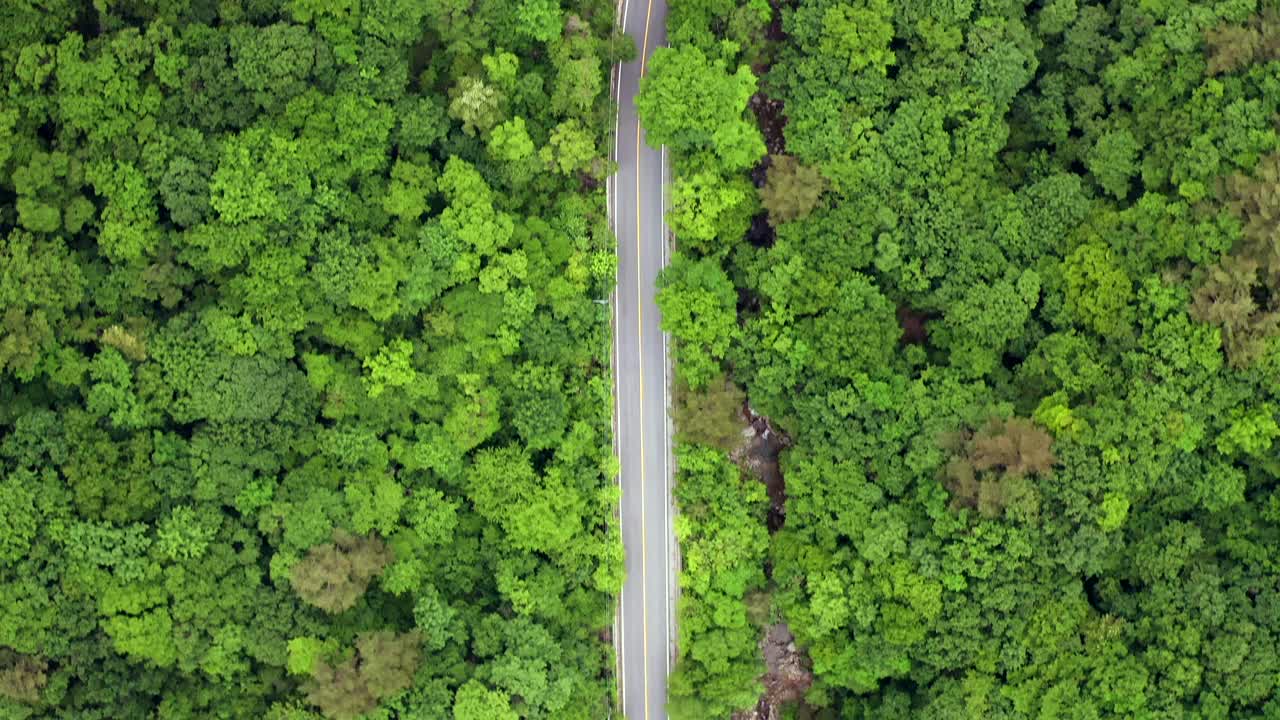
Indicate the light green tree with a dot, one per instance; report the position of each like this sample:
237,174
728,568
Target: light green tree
697,301
690,103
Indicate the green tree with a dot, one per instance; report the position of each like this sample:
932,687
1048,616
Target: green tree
540,411
578,81
1113,161
411,186
708,213
510,141
21,518
307,653
723,543
275,280
690,103
1098,292
697,302
277,62
540,19
980,325
1059,216
570,149
184,535
859,34
476,702
477,104
43,285
537,513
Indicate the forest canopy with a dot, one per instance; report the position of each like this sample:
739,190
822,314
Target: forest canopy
1004,273
304,394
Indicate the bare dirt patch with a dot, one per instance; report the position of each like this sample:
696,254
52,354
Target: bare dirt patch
914,326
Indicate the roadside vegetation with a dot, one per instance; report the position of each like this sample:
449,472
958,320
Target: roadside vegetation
1005,274
304,391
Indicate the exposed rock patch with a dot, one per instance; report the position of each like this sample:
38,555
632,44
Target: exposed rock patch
787,678
759,456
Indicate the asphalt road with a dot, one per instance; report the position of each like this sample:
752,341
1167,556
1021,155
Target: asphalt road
646,631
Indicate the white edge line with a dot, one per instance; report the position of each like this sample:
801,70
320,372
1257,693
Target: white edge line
620,22
666,412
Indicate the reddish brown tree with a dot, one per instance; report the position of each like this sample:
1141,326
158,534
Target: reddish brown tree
333,576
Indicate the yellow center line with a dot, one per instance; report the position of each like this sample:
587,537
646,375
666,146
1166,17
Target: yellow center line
644,554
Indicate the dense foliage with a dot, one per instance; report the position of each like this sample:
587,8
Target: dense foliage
304,392
1015,298
723,544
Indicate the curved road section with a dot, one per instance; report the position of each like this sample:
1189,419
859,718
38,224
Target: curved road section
645,630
